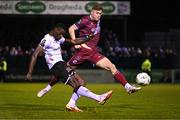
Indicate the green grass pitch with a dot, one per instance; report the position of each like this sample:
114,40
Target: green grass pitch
156,101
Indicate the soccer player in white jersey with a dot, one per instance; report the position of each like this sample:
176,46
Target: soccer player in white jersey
51,46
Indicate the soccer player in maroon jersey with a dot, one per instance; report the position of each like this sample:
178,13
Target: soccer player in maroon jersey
88,51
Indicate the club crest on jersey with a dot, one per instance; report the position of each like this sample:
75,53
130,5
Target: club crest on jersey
74,61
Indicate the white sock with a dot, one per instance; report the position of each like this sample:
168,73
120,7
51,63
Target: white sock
74,98
127,86
87,93
48,87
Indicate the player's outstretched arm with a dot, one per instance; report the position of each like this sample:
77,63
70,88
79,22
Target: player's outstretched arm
72,30
79,41
36,53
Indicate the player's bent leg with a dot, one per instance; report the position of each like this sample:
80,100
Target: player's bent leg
80,90
101,99
58,71
81,81
75,81
129,88
53,80
106,64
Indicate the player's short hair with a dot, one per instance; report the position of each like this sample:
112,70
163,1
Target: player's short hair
97,6
59,25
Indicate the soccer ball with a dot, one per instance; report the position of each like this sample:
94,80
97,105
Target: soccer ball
143,79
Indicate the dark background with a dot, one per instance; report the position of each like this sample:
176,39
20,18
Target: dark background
151,24
146,16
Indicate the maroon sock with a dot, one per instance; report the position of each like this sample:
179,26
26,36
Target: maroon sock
120,77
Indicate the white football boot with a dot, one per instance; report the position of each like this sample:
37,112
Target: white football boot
73,109
104,97
133,89
42,93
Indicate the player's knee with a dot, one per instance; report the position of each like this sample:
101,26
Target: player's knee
80,80
75,82
76,86
75,89
112,68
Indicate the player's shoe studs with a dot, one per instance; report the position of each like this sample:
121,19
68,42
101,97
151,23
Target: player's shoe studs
42,93
105,97
133,89
73,109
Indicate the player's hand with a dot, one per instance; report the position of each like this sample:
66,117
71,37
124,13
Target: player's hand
77,46
28,77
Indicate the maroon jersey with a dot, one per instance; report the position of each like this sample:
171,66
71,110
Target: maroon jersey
87,26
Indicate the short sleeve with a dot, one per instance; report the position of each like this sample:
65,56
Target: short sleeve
44,43
62,40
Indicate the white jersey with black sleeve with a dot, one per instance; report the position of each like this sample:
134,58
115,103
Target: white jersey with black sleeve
52,49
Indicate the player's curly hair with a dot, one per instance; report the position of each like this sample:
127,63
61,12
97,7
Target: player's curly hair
59,25
56,25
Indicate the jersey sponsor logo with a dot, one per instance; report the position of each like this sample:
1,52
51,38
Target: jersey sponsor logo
55,49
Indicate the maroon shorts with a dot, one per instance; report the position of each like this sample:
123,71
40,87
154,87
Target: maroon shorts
83,55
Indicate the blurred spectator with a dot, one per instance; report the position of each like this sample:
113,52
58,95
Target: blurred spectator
166,77
110,47
6,50
19,51
146,67
1,50
3,69
13,51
